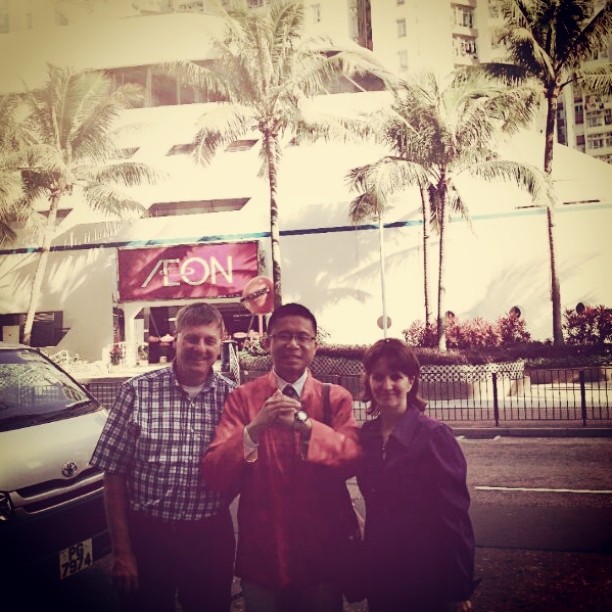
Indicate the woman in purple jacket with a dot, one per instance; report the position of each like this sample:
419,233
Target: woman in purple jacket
418,533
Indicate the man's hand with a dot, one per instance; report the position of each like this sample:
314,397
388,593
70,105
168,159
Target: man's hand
278,409
125,572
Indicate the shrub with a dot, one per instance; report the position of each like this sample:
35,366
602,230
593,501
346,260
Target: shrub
589,326
470,333
473,333
419,334
253,346
513,329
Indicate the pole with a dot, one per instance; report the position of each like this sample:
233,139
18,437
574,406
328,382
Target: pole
382,273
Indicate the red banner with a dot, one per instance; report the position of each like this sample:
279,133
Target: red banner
186,271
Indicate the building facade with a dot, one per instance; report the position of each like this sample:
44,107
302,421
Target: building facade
207,231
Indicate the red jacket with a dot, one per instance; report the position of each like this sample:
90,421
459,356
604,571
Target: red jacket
284,514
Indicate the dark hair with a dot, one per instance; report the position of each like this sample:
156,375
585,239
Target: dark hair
198,313
291,310
401,358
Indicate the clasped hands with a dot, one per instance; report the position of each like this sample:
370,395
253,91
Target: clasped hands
278,409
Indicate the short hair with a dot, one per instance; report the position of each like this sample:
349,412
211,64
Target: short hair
198,313
399,357
291,310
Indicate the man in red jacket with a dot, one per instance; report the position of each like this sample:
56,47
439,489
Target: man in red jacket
277,451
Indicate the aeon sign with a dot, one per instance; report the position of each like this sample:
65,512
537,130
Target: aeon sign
186,271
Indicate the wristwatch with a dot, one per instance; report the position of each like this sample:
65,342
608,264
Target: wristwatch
301,417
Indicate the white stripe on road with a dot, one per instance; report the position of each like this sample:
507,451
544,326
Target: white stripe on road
544,490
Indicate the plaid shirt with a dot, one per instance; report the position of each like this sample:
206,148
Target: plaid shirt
156,436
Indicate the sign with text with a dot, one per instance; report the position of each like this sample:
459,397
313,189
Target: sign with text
186,271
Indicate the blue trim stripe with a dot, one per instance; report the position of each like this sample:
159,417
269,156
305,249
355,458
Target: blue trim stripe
132,244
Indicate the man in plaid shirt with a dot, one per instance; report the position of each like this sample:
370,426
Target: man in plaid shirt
170,533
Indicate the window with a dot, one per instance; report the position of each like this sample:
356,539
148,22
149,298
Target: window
402,57
195,207
464,47
127,152
594,119
136,75
496,43
316,13
181,149
494,9
5,20
163,90
400,2
464,17
241,145
597,141
401,28
62,213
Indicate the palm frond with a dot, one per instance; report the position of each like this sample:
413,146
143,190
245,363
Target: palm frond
109,201
221,126
125,173
364,207
596,79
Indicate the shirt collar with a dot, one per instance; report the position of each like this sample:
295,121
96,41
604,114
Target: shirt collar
209,382
298,385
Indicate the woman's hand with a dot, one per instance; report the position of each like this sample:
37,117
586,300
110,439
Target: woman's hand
463,606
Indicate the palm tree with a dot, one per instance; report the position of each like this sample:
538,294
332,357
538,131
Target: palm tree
548,40
65,136
11,188
265,72
439,134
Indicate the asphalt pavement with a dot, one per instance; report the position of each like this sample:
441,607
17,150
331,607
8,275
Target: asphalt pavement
536,550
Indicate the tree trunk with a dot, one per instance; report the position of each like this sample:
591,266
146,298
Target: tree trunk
555,289
41,268
270,145
426,234
442,220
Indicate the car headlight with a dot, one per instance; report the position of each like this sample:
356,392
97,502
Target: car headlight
6,506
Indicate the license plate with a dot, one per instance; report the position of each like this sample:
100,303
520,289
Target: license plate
75,558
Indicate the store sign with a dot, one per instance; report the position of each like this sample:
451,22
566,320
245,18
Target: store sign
186,271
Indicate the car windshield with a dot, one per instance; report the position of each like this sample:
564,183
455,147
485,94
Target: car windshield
34,390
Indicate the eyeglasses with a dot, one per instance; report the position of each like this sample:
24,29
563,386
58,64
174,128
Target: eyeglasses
300,337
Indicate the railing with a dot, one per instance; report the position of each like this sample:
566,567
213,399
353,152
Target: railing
568,397
574,396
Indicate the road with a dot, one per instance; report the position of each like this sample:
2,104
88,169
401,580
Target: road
532,499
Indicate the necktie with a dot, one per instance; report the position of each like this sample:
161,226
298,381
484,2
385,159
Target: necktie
290,391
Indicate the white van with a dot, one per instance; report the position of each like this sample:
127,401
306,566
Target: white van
52,522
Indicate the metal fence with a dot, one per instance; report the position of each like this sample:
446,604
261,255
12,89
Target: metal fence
577,397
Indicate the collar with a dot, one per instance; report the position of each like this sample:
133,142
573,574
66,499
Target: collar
209,382
298,385
406,428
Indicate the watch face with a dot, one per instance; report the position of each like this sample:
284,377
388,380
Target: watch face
301,416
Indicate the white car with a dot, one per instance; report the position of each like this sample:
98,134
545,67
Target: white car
52,522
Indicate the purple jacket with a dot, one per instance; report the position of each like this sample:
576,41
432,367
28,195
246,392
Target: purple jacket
418,531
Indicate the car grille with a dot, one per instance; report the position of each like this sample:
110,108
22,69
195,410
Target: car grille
53,493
